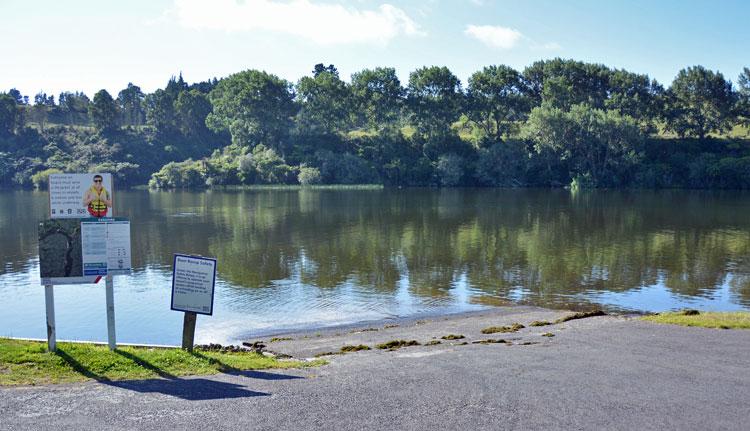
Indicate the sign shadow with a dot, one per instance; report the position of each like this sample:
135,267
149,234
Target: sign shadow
191,389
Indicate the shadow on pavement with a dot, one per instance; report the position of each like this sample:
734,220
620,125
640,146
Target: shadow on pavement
192,389
252,374
189,389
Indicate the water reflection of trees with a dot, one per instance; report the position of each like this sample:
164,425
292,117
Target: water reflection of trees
550,244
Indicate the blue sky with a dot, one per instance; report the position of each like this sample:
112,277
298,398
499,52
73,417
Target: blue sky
88,45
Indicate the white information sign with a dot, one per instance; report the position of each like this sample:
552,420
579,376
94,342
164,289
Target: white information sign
94,248
193,281
105,247
80,195
118,247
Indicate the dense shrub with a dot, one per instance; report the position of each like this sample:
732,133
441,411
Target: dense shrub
41,178
187,174
308,176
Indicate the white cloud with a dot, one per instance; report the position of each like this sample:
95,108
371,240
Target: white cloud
320,23
495,36
552,46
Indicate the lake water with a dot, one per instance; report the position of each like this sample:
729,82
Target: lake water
290,259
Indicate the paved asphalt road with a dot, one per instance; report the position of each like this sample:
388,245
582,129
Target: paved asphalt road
595,373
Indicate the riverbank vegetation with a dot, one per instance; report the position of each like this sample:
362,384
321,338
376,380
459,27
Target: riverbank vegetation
704,319
29,363
556,123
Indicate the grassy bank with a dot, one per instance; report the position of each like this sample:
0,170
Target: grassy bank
721,320
28,363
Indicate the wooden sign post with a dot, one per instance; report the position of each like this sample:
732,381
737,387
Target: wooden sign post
193,281
188,331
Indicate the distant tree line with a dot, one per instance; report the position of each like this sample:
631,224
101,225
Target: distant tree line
556,123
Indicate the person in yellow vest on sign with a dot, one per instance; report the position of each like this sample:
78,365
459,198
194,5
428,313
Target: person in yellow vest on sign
97,198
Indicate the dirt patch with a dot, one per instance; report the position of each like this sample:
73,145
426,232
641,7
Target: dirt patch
503,329
548,334
256,346
357,348
225,349
581,315
540,323
277,339
397,344
356,331
433,343
452,337
689,312
491,341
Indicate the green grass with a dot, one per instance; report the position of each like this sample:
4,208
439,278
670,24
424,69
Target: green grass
722,320
28,363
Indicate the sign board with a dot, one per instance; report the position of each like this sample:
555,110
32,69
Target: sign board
80,195
75,251
193,281
105,246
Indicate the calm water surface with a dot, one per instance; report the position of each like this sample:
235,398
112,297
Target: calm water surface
291,259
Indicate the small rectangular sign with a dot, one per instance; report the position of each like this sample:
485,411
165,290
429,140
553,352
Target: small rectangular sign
193,281
80,195
75,251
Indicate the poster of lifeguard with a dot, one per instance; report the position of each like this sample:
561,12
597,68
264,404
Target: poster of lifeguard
81,195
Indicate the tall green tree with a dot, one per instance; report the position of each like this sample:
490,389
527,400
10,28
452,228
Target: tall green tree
600,147
700,101
130,101
103,112
175,86
497,99
636,96
74,107
13,92
743,103
434,99
43,105
564,83
378,97
160,113
9,114
254,107
192,108
325,102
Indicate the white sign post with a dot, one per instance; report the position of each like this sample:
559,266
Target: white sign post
101,241
193,281
49,300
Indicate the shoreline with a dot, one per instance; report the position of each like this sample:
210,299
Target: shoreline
310,343
432,315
